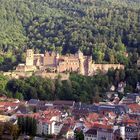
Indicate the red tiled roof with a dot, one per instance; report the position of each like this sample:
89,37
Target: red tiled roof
130,121
112,114
6,104
46,120
43,116
98,125
93,116
88,124
134,107
34,115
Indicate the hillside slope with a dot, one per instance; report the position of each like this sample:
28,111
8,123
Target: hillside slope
103,28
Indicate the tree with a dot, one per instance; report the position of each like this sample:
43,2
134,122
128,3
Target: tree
1,60
14,131
79,135
27,125
34,127
19,96
3,82
1,130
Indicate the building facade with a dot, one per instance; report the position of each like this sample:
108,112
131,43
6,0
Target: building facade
99,134
55,63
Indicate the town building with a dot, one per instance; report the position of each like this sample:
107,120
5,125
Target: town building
91,134
48,122
63,119
127,133
100,132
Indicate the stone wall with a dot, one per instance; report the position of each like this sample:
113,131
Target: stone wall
53,62
94,68
49,59
18,75
72,65
24,68
52,75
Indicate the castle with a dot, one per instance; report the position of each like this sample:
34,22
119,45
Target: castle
52,62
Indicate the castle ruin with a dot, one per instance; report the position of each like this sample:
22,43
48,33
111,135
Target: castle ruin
52,62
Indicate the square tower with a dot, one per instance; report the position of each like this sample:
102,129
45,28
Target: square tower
29,57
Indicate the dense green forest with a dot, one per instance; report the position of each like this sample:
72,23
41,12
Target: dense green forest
105,29
78,87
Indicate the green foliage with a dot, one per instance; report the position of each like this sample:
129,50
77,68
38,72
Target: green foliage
19,96
10,129
79,135
27,125
78,87
103,28
3,83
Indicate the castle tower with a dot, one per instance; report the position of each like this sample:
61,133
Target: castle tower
29,57
38,62
57,61
57,58
89,66
81,62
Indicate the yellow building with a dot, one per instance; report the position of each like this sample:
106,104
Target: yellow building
4,118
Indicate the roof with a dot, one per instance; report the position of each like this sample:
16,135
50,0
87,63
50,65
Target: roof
119,109
65,129
129,121
134,107
91,132
112,114
93,116
80,112
133,95
7,104
23,109
102,126
34,115
63,102
90,108
41,103
33,101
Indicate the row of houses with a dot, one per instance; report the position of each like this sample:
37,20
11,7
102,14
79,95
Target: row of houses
62,119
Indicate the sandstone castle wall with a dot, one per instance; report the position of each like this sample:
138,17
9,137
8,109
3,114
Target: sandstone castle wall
52,62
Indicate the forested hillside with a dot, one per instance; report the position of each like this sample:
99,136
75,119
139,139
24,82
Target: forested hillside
105,29
78,87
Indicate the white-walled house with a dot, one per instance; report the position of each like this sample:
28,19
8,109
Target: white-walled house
56,127
43,127
48,123
99,134
105,134
91,134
